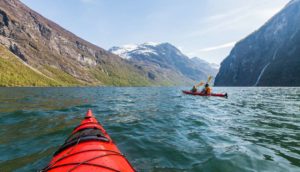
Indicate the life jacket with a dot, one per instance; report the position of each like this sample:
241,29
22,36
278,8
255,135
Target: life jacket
208,90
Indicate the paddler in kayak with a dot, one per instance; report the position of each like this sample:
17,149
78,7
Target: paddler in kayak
206,90
194,89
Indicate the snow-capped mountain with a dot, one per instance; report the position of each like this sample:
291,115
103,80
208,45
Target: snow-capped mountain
126,51
165,62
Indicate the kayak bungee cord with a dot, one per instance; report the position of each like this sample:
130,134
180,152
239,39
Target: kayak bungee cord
85,162
65,155
100,156
89,148
83,151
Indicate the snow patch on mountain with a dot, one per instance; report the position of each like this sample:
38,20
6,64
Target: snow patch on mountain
125,51
145,51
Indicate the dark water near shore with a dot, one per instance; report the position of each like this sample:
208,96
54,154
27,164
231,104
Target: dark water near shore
158,129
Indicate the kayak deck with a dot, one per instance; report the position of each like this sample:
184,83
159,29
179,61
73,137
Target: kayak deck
89,148
202,94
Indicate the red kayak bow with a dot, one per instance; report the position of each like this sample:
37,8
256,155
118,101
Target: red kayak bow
89,149
202,94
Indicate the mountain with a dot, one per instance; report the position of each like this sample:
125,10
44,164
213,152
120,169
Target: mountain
165,63
209,68
268,57
35,51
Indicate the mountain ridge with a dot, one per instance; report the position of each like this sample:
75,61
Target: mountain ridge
48,50
47,47
267,57
165,61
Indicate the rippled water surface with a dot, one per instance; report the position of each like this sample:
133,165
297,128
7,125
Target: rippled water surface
158,129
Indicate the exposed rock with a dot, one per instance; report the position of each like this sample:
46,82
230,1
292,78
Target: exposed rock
15,49
3,19
151,75
45,32
42,43
268,57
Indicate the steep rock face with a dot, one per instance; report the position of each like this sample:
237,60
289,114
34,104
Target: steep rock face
268,57
164,62
45,46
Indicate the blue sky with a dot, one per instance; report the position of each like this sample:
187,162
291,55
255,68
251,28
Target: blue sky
204,28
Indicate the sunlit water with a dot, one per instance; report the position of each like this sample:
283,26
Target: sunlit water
158,129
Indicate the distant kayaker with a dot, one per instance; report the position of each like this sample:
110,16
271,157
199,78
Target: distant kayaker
206,90
194,89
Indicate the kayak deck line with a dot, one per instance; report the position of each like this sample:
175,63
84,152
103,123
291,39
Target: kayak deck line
86,163
89,148
83,151
85,124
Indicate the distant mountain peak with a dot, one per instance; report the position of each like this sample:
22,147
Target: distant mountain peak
164,62
125,51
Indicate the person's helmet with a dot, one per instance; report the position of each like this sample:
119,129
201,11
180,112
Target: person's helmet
206,85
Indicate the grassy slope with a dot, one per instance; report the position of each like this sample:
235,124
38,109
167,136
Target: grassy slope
62,77
14,73
119,76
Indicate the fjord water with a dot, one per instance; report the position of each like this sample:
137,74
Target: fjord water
158,128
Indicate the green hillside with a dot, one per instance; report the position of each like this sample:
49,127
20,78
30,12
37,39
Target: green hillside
15,73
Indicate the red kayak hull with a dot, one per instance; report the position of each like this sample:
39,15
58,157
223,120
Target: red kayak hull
89,148
201,94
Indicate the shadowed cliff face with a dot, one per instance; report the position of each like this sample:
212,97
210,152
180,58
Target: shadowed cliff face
46,47
268,57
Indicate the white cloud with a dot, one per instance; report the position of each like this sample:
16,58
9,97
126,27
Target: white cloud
213,54
256,14
214,48
218,28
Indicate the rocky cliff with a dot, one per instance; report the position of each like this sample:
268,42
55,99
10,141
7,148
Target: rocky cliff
268,57
56,54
